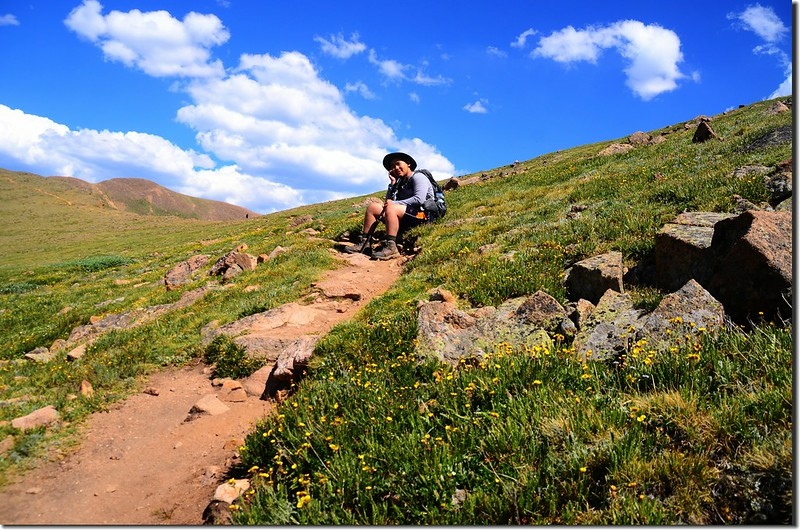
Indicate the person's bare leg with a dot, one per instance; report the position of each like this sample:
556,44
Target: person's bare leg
374,209
394,213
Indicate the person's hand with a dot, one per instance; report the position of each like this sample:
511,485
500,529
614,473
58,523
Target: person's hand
392,179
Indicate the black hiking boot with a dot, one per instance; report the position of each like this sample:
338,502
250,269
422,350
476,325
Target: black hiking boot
389,251
355,248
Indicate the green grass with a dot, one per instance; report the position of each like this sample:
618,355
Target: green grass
701,434
230,359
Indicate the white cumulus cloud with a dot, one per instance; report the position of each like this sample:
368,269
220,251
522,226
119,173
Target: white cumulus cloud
478,107
762,21
155,41
522,38
361,88
50,148
652,52
340,47
8,20
271,132
768,26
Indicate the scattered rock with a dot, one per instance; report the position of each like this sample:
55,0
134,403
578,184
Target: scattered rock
7,444
615,149
777,108
301,220
681,247
208,404
290,365
182,272
217,513
639,138
232,391
439,294
703,133
450,334
41,417
451,184
231,490
86,390
583,309
680,317
459,496
42,354
129,319
256,383
779,182
606,333
752,259
277,251
544,312
742,205
76,353
232,264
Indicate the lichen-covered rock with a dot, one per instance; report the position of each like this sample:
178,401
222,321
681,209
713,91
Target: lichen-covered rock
607,331
544,311
681,317
450,334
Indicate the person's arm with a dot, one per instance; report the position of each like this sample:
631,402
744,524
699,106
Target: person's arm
421,186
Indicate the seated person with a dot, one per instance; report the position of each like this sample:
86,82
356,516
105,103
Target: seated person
407,192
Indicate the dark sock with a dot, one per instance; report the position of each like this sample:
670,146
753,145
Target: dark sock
391,238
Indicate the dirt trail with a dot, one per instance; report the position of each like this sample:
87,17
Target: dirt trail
142,463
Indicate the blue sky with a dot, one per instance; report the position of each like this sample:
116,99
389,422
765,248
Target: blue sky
274,104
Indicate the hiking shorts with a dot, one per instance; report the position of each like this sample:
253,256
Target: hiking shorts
411,219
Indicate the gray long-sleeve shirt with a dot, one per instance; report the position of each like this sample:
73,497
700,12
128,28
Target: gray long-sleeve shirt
414,190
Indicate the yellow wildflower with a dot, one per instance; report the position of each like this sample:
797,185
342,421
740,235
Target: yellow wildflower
303,500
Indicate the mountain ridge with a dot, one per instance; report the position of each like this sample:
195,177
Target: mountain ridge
140,196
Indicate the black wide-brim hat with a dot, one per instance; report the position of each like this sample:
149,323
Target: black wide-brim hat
391,157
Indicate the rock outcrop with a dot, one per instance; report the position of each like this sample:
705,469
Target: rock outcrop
751,257
719,269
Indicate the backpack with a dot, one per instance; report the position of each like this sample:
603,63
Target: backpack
436,207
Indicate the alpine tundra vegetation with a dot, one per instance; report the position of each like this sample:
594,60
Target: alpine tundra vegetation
373,433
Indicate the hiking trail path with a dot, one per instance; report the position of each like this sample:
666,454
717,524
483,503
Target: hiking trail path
141,463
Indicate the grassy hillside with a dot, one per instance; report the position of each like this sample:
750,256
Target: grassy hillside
372,436
46,217
146,197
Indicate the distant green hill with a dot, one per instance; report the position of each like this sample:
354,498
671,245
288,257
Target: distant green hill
125,194
55,215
